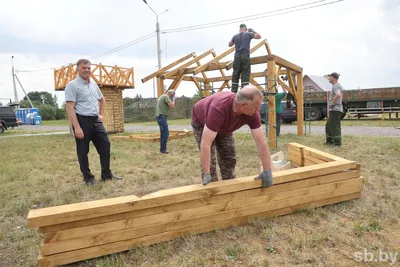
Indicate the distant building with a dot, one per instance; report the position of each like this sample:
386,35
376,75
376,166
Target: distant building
313,83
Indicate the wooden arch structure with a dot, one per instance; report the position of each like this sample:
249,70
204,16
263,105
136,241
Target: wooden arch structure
190,68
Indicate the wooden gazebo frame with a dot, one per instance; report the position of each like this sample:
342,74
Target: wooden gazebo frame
180,70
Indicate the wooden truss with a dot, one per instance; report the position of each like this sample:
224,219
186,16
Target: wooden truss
179,71
104,76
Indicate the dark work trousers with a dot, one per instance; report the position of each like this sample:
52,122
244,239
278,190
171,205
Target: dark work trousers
241,66
164,132
94,131
333,129
278,124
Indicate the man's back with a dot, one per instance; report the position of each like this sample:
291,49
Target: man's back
242,42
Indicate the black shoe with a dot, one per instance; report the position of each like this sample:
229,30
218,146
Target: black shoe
164,152
111,177
90,181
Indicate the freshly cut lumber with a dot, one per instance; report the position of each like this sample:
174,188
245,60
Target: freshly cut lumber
97,251
98,208
339,176
78,238
174,134
320,154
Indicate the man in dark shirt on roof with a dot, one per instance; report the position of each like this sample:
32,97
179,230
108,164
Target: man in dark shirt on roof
241,62
215,118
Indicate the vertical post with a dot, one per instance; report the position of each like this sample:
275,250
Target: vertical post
160,86
300,104
154,88
15,86
271,86
158,43
207,89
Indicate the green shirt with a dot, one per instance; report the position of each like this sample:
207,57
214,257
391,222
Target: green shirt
162,105
278,100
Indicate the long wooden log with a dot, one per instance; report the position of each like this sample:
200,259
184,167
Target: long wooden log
339,176
93,252
91,209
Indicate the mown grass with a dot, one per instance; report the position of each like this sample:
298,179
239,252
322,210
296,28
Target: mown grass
43,171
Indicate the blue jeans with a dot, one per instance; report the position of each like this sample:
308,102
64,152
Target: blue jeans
164,132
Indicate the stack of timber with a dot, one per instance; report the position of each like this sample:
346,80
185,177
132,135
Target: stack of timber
81,231
173,134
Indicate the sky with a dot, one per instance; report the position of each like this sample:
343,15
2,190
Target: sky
358,39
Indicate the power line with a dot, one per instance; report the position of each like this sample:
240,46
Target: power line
253,17
139,40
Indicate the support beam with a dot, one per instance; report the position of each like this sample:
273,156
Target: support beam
286,64
254,82
189,79
204,66
226,83
300,104
196,82
289,89
194,60
174,85
207,89
160,86
271,83
222,73
164,69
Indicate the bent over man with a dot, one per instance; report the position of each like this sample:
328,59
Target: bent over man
85,108
215,118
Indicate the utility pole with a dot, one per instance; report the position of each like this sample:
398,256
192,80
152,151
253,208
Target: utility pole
158,33
15,86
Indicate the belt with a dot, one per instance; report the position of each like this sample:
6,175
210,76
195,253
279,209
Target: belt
89,117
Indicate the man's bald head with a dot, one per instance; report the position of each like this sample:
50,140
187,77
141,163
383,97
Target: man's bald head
248,94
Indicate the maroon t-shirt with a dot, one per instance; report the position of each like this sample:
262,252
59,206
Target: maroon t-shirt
216,112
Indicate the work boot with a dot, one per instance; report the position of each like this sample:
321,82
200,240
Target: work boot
111,176
89,181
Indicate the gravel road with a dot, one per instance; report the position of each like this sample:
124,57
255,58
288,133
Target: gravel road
346,130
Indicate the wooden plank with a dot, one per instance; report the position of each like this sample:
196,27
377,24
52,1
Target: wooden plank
91,209
229,77
315,160
174,85
320,154
196,82
69,239
288,65
160,86
271,88
187,64
254,82
290,90
189,79
308,162
299,104
163,69
216,59
340,176
93,252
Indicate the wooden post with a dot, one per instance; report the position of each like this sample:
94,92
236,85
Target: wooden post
271,87
160,86
300,104
207,89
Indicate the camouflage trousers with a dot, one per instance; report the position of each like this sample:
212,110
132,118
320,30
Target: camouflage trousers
224,145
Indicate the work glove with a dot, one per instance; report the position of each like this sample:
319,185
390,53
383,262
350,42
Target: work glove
251,30
266,177
206,178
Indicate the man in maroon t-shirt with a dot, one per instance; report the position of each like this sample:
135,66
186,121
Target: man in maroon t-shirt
215,118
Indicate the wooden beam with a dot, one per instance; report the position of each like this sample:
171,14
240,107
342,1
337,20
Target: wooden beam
194,60
286,64
271,88
189,79
207,89
252,50
160,86
268,48
254,82
300,104
223,86
223,75
196,82
91,209
163,69
255,61
174,85
290,79
216,59
290,90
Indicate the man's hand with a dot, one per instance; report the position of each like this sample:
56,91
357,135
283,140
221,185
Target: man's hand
79,133
101,117
266,177
251,30
206,178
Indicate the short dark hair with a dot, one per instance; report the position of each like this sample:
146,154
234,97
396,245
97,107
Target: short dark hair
83,61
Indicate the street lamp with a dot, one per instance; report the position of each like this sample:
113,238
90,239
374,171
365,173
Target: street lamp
158,33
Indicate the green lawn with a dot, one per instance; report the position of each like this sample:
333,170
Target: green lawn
42,171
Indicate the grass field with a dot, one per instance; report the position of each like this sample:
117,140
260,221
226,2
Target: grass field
43,171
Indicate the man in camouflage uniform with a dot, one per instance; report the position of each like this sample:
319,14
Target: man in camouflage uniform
215,118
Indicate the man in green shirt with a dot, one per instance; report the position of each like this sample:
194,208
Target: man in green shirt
164,103
278,108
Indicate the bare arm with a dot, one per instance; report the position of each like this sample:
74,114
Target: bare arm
262,146
171,104
73,119
102,103
337,96
230,43
257,35
207,138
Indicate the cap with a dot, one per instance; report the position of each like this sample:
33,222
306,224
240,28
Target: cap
172,92
334,75
242,25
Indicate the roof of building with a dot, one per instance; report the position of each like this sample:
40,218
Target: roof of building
321,81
